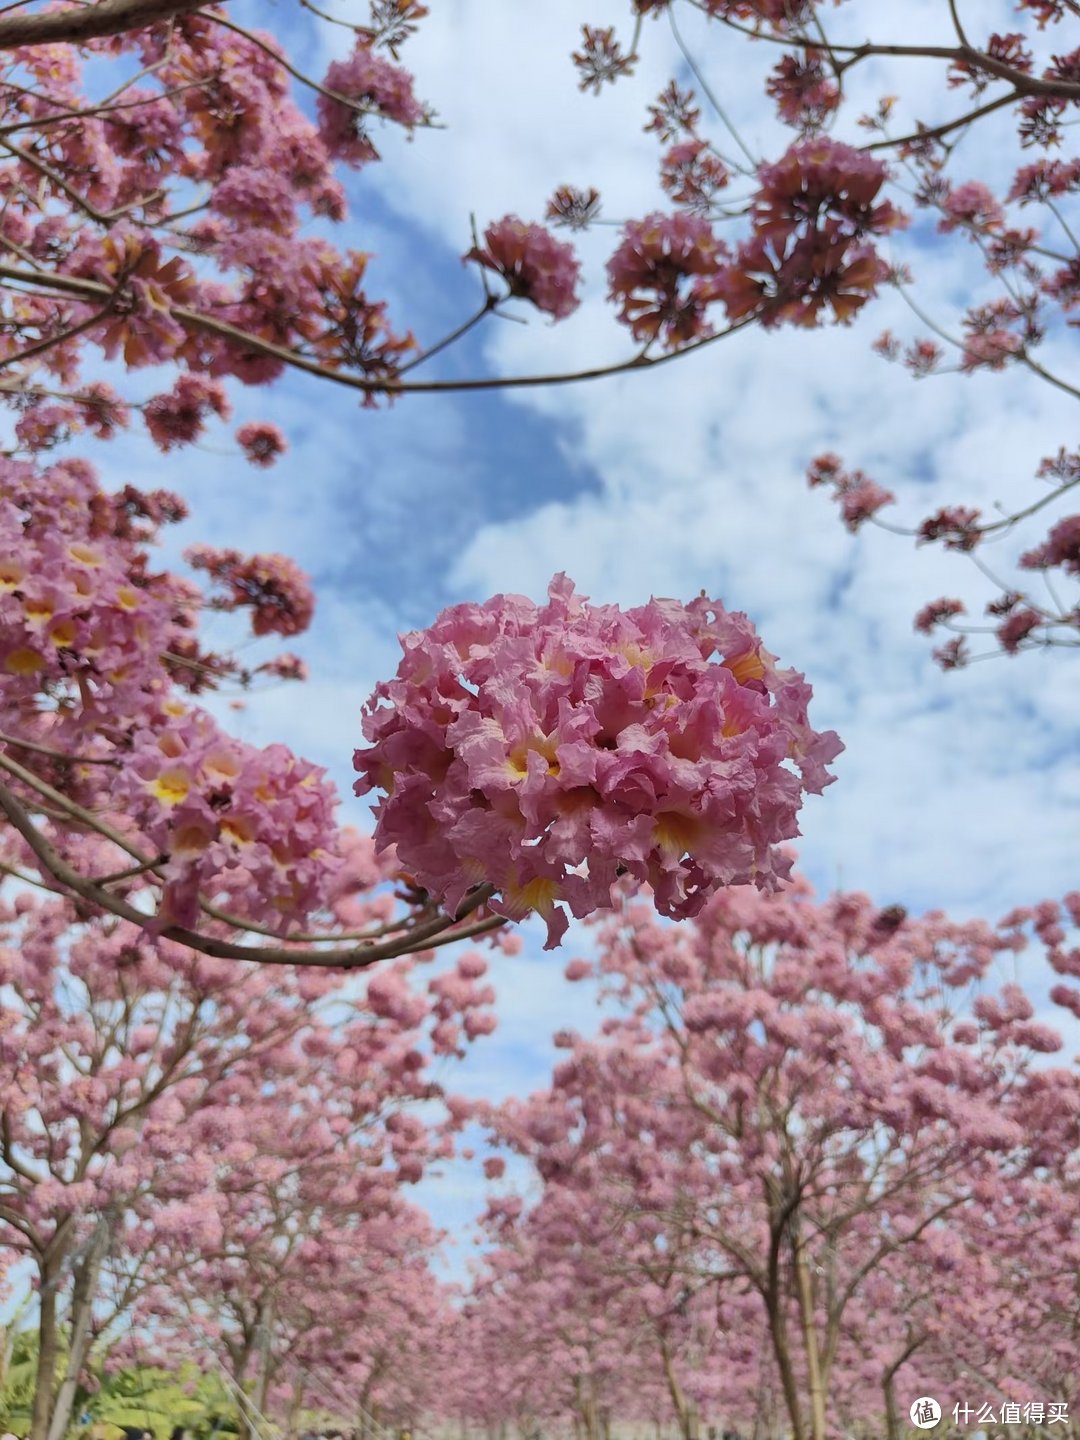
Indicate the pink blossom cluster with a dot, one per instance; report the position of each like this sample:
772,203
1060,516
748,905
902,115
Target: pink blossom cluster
659,276
693,175
1045,179
257,198
371,85
459,1004
859,497
971,206
285,666
601,59
535,265
257,823
261,442
1016,628
75,625
803,90
1061,547
809,246
957,526
179,417
812,216
936,612
139,324
573,207
549,750
989,349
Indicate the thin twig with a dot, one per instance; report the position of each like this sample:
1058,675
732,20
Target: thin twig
131,872
52,340
708,93
936,131
461,330
57,754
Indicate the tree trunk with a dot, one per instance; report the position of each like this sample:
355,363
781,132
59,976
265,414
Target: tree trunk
892,1418
83,1295
45,1378
813,1361
678,1399
778,1332
241,1358
594,1415
266,1360
295,1407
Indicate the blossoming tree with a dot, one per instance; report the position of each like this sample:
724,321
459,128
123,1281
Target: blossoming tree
161,1110
801,1106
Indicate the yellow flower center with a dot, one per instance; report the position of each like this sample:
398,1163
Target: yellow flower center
85,554
747,666
24,661
171,786
676,833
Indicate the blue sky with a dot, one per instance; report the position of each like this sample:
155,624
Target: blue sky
955,792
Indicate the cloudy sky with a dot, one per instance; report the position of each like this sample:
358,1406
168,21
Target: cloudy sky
957,792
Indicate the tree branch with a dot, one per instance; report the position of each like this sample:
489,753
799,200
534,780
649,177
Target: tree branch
89,22
437,932
73,285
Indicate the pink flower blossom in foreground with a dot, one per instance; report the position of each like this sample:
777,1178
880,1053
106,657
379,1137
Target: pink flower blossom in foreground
533,263
549,750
